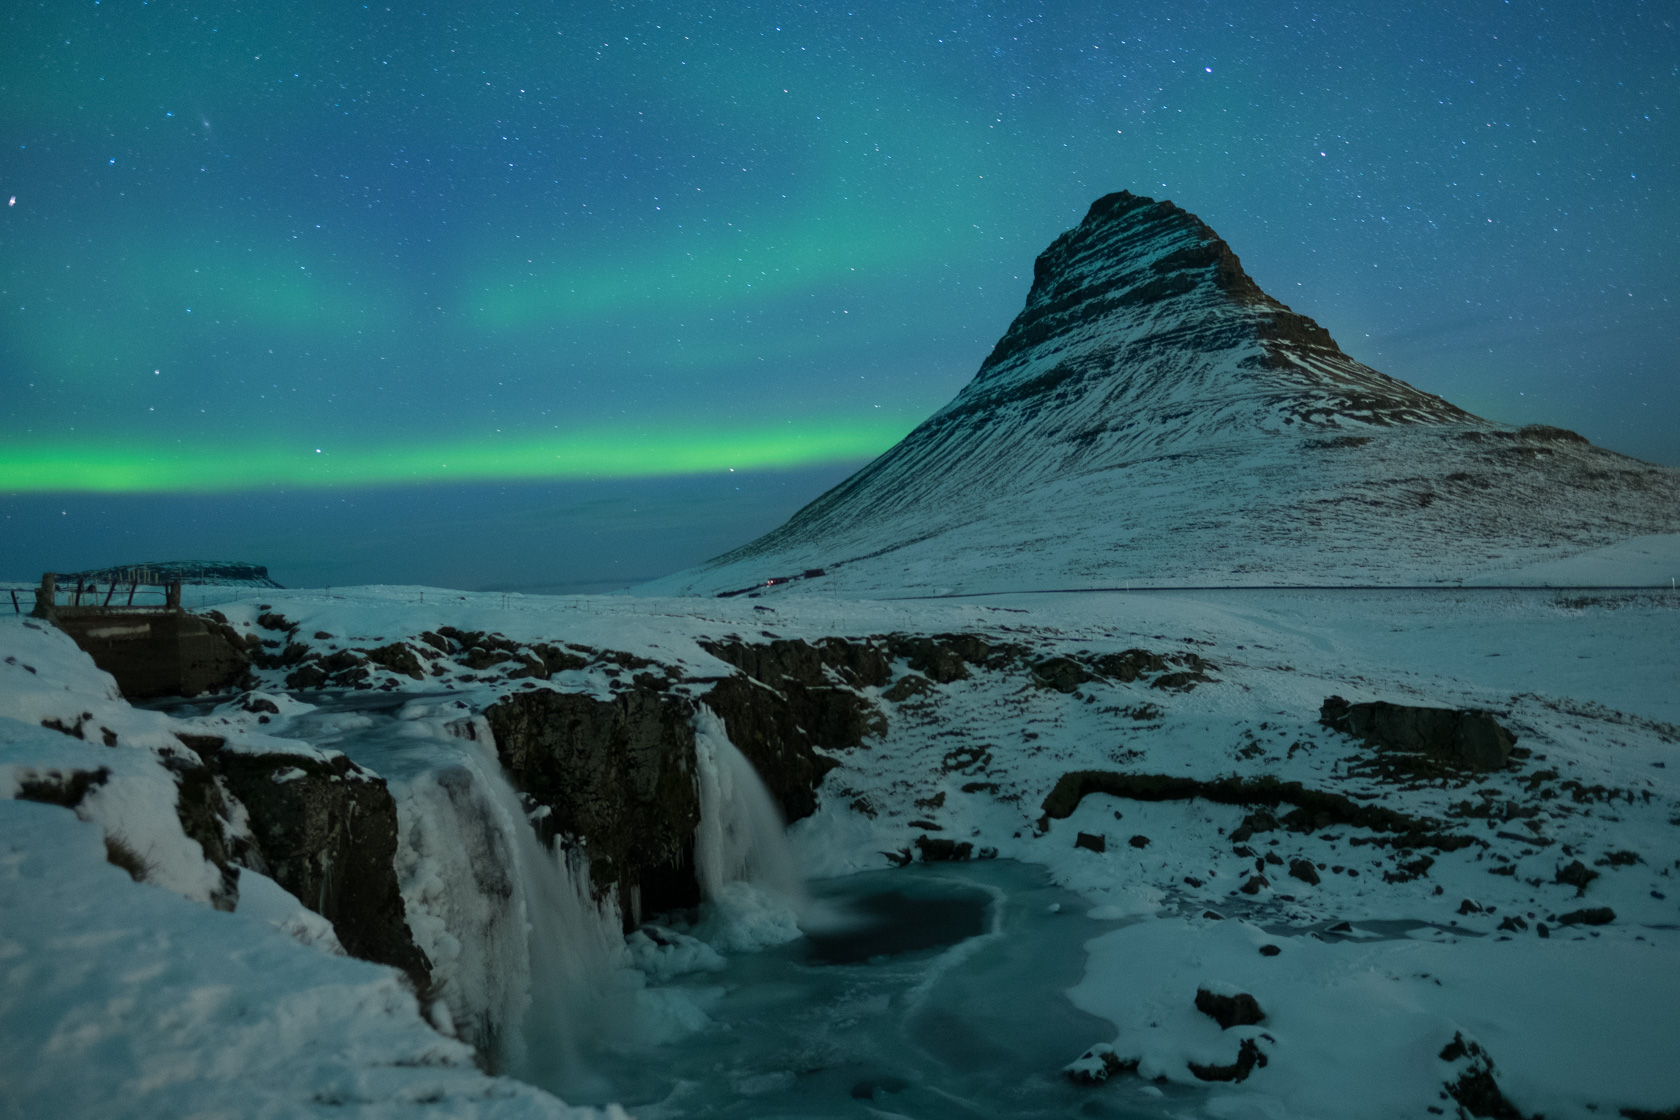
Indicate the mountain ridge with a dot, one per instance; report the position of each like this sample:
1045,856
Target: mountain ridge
1118,430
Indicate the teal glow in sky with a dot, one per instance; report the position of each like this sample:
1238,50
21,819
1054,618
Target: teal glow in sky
234,234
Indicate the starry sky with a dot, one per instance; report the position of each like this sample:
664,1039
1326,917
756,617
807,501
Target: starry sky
559,296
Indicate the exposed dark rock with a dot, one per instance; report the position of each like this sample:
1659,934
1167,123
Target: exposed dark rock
204,814
398,658
1139,841
1512,923
292,654
1255,884
1259,821
860,664
1063,674
478,658
1591,916
937,660
1577,875
556,659
1239,1010
275,621
786,710
64,788
1472,739
910,684
1129,665
199,805
327,832
1270,950
1303,870
1315,808
1547,433
619,776
1098,1064
1179,671
307,675
1249,1055
1475,1089
939,850
1091,842
1412,869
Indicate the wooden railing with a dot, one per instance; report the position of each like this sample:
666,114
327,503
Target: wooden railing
115,597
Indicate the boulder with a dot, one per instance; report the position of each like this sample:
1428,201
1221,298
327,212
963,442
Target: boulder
1249,1055
1063,674
1229,1008
939,850
1466,738
1577,875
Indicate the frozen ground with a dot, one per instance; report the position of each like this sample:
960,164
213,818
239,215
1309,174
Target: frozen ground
143,987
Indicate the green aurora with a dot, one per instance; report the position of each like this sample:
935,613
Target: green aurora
565,242
597,454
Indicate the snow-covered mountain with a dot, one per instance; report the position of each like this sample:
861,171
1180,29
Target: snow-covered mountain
1152,416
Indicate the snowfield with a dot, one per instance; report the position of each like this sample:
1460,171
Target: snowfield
1412,967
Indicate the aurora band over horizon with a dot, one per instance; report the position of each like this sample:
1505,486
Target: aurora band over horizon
599,242
600,454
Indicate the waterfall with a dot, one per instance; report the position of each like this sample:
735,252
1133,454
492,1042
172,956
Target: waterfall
523,957
748,875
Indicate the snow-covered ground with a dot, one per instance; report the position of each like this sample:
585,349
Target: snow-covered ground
133,998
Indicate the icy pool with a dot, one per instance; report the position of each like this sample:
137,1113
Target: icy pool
930,991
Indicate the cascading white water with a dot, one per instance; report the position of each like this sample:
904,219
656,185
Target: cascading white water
526,965
747,871
525,959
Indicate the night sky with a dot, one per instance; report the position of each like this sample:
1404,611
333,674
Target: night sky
575,294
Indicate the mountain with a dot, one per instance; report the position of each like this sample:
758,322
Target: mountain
1151,416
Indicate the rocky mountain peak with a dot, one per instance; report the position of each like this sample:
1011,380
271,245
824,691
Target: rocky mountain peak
1152,415
1140,278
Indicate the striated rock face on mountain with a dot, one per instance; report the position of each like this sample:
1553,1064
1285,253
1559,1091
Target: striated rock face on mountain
1152,416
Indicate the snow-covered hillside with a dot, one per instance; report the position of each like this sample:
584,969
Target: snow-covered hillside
1411,932
1152,416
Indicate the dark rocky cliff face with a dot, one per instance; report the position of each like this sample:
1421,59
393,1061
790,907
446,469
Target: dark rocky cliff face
617,775
326,831
793,706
